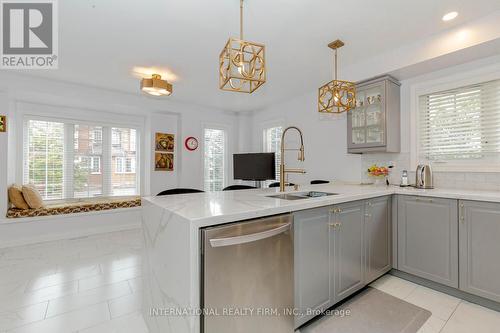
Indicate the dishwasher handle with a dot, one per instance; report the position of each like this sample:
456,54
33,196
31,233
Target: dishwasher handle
237,240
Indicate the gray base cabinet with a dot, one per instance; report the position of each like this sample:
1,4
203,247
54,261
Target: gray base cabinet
312,262
339,250
480,249
378,238
428,238
347,275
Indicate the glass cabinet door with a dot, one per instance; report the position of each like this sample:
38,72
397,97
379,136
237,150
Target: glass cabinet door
368,118
374,112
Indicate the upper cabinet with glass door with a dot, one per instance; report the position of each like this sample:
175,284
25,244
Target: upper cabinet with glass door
374,125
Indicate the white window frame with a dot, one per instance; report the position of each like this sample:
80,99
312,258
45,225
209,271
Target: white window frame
227,151
124,160
113,137
265,149
92,159
35,111
447,82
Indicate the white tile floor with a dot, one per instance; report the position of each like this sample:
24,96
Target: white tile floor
449,314
93,285
90,284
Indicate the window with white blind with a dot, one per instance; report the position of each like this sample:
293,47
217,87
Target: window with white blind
272,144
124,176
69,160
461,126
44,163
214,159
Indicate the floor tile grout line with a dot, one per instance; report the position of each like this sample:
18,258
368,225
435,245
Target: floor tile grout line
109,310
65,313
46,310
454,310
91,304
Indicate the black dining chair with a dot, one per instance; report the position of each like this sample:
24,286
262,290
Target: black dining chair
319,181
179,191
277,184
238,187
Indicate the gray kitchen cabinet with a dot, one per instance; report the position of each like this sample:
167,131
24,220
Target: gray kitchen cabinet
312,262
428,238
378,232
346,246
374,125
479,249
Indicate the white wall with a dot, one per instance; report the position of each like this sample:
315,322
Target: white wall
4,108
481,70
93,104
325,135
325,139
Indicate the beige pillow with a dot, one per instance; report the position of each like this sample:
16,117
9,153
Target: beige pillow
16,197
32,196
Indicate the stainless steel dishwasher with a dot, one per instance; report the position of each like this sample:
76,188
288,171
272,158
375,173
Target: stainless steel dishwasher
247,276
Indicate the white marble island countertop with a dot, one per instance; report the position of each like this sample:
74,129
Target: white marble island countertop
207,209
172,223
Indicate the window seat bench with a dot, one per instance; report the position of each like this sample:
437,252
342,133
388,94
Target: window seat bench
76,207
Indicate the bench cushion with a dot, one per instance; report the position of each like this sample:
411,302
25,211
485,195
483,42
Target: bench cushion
76,207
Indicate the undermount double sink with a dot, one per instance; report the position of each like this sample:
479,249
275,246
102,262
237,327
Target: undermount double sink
301,195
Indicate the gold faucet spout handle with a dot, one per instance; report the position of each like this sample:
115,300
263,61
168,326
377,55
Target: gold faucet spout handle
301,154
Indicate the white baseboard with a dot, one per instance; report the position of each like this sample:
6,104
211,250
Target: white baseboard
51,228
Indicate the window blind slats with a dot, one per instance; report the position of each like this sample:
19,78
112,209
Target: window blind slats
462,123
214,159
272,144
67,160
43,151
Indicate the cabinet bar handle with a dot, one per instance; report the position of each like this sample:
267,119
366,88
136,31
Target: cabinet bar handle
424,200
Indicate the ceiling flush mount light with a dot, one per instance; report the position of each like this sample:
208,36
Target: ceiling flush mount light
156,86
242,65
336,96
450,16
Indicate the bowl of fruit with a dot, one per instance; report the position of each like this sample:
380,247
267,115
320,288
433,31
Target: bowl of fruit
379,174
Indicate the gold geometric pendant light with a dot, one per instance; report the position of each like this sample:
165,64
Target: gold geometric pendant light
337,96
242,64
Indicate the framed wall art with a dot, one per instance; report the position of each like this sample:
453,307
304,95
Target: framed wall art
3,123
164,142
164,162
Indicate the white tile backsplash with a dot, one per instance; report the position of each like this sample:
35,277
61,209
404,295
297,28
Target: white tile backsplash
488,181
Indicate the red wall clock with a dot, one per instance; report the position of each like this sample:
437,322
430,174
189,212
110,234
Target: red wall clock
191,143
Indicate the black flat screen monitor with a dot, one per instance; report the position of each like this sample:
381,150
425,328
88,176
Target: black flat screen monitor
254,166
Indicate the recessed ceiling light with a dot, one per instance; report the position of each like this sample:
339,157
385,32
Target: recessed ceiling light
450,16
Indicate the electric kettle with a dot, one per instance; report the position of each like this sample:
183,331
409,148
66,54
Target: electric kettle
424,177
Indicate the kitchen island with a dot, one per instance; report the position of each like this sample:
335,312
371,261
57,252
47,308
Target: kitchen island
172,238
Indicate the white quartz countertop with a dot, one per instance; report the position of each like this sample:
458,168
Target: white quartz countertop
212,208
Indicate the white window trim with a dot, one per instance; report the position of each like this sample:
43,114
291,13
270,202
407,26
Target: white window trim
124,158
228,151
448,82
264,147
38,111
268,124
92,158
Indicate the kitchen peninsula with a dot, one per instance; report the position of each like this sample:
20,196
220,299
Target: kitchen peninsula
172,272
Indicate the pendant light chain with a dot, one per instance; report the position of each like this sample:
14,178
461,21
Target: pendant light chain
242,64
241,19
335,75
336,96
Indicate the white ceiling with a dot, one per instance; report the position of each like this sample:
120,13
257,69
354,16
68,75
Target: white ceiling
101,41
